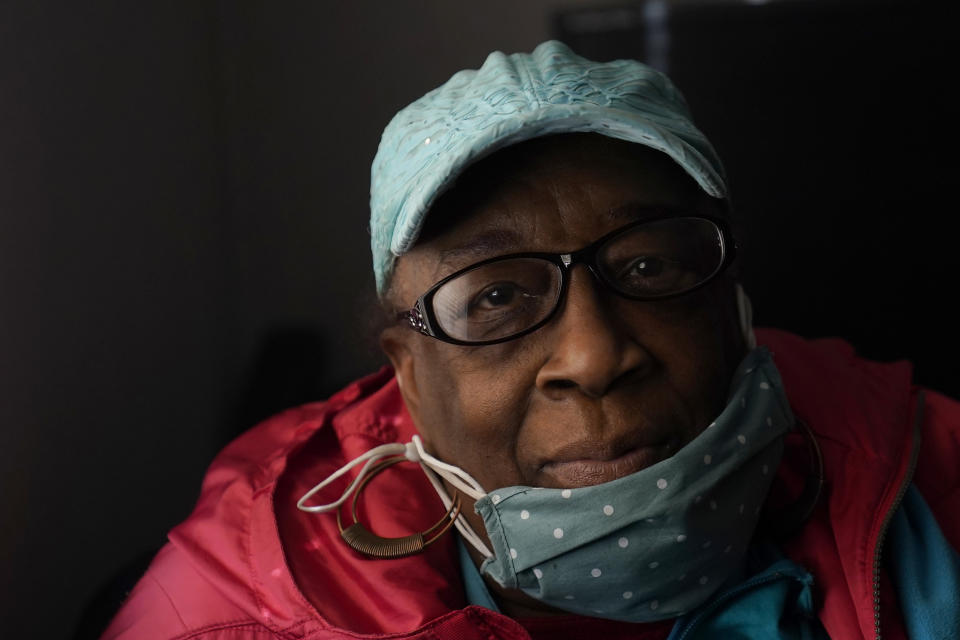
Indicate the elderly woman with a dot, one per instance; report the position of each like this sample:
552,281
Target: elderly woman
580,432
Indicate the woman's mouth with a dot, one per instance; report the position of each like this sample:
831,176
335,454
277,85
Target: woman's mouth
584,468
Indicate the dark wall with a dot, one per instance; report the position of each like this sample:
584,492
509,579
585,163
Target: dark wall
112,301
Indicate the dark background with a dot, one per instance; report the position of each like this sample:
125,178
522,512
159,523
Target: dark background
183,211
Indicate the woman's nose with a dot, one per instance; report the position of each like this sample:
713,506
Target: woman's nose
591,348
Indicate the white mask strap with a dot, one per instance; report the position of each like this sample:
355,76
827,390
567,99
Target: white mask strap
432,468
745,311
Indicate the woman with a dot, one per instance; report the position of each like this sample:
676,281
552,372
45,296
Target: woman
579,433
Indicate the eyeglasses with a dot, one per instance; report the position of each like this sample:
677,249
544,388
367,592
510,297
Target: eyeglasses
509,296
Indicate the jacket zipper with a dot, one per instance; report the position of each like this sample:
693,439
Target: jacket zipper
888,518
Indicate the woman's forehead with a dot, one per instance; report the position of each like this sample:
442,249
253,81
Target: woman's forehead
555,195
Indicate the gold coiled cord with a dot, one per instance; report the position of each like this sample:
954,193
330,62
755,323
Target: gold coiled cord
364,541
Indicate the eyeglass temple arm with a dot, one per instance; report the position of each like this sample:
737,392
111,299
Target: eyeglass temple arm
414,318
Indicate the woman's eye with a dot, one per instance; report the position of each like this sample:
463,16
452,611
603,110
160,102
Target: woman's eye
650,275
643,267
494,296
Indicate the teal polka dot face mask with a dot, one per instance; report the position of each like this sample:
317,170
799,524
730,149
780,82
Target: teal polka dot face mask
659,542
649,546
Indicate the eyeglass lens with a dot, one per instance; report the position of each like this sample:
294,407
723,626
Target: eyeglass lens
506,297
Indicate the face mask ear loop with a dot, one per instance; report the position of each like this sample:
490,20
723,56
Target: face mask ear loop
371,457
454,475
431,467
460,522
745,312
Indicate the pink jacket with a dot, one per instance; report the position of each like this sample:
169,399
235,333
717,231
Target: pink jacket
248,565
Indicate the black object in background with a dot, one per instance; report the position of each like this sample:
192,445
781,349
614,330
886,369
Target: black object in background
834,123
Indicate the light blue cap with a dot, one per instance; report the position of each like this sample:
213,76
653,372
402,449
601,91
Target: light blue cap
513,98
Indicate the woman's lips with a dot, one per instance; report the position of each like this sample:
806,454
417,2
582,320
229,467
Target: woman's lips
588,470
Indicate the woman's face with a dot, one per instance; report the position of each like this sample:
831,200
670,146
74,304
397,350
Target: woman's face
609,385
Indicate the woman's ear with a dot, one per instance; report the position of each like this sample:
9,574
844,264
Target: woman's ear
395,343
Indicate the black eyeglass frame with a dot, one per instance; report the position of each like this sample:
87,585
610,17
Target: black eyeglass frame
422,318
